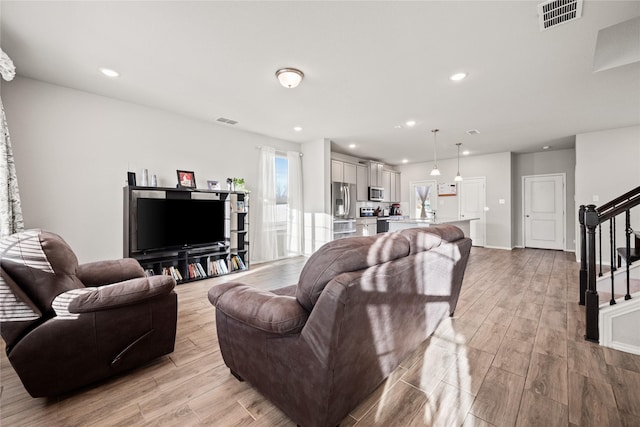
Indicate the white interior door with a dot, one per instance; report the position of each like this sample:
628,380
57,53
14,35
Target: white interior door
544,201
472,203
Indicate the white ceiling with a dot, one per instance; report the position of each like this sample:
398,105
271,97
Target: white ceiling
369,66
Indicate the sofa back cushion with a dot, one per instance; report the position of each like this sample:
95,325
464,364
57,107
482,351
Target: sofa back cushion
39,265
426,238
344,255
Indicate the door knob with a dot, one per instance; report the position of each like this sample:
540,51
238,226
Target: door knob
527,216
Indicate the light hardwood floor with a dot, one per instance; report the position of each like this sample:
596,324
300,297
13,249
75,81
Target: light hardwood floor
512,355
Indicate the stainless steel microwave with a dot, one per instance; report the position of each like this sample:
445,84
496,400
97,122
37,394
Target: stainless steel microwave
376,194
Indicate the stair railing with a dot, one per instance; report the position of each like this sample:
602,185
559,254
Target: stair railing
591,218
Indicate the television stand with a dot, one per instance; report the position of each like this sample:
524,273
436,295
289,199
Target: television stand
187,264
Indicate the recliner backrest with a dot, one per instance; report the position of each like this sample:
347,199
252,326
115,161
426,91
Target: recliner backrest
344,255
36,267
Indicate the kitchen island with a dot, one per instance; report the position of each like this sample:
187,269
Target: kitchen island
462,223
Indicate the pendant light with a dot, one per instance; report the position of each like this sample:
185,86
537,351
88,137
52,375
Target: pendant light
435,171
458,177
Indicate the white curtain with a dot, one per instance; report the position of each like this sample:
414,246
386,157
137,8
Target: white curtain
10,209
295,214
263,209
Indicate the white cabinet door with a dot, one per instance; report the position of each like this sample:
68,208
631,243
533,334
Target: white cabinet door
362,183
349,173
392,189
375,174
386,184
337,174
398,188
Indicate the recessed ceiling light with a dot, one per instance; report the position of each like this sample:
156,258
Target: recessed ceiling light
458,76
109,72
411,123
466,152
546,147
352,145
405,161
297,128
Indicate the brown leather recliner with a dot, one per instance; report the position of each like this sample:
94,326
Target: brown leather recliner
67,325
361,306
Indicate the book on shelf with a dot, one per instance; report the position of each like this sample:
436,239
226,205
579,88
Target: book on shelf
149,272
218,266
237,263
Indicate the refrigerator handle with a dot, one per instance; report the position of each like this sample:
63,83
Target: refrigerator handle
348,201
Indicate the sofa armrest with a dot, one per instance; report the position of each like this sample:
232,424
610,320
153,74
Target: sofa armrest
106,272
266,311
129,292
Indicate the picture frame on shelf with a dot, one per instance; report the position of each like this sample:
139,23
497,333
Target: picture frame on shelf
213,185
186,179
240,206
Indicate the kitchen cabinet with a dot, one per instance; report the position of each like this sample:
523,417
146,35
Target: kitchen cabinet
366,226
392,188
386,184
362,183
343,172
375,174
398,188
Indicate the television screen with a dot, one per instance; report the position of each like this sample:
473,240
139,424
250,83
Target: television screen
170,223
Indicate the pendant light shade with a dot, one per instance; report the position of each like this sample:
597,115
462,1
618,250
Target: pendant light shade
458,177
289,77
435,171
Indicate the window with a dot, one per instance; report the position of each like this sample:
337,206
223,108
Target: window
282,202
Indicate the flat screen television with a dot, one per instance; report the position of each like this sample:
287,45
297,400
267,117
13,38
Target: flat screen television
174,223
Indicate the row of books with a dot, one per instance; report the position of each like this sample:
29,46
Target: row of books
173,272
196,271
237,263
218,266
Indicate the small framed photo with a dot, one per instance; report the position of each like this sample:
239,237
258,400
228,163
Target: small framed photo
240,206
213,185
186,179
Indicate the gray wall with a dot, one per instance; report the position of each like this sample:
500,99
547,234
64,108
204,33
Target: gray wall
607,166
73,149
316,176
547,162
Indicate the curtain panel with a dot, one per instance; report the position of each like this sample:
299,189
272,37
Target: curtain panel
10,210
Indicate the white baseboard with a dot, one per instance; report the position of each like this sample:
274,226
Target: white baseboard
498,247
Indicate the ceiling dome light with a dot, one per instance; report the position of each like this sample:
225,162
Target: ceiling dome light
411,123
466,152
458,76
352,145
109,72
289,77
435,171
405,161
297,129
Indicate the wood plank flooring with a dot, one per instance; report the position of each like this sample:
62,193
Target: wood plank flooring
513,355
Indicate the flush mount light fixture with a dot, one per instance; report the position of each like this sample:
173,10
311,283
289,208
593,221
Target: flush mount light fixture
458,177
109,72
297,129
435,171
289,77
410,123
458,76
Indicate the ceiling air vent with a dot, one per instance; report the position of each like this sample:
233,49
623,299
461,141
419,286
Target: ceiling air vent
227,121
556,12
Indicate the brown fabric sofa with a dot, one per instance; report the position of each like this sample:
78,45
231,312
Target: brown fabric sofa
361,305
67,325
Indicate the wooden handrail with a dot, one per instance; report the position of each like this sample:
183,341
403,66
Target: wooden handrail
626,196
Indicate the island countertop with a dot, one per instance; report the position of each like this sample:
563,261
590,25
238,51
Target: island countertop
462,223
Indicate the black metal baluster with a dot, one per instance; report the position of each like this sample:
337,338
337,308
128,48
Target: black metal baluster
600,248
614,267
628,232
583,254
591,296
613,256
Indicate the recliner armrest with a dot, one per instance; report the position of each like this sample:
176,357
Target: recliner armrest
266,311
107,272
129,292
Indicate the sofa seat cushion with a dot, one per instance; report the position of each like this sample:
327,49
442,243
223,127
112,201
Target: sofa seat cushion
345,255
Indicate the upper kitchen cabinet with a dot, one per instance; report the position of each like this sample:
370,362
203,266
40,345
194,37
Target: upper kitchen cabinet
343,172
375,174
386,184
362,183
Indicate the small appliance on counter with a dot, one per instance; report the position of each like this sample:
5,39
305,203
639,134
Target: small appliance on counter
395,210
367,212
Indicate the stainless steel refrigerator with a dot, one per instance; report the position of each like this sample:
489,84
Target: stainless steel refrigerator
343,207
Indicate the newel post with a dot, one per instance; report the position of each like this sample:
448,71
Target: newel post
591,295
583,254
